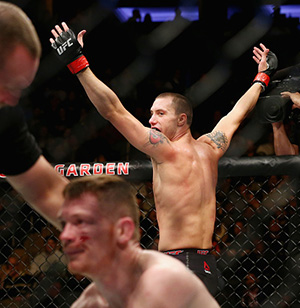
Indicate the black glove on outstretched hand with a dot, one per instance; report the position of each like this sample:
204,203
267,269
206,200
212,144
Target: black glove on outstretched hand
264,77
69,51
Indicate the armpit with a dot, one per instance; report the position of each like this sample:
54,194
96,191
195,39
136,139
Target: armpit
219,138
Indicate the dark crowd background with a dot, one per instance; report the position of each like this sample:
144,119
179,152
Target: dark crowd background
209,59
256,239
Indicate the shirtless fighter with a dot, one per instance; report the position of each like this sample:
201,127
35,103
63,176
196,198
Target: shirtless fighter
134,278
123,274
185,170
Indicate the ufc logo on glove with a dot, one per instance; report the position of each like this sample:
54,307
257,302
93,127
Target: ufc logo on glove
63,47
69,51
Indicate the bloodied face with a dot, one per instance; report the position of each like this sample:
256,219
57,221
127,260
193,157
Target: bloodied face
88,237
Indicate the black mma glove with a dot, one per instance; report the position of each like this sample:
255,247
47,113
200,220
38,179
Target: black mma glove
69,51
264,77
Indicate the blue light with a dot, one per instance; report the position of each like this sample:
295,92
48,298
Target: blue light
161,14
289,10
158,14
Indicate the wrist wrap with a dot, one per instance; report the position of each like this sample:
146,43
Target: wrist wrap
78,65
263,79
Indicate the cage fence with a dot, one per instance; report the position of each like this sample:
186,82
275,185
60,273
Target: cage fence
256,241
256,231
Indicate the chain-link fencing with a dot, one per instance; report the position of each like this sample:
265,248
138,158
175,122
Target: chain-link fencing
256,239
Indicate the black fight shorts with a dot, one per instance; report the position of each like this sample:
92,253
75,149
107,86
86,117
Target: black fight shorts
202,263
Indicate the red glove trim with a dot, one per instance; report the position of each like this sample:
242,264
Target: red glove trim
262,78
78,65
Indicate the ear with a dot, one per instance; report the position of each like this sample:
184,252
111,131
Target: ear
125,230
182,119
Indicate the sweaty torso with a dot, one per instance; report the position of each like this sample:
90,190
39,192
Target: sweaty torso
184,189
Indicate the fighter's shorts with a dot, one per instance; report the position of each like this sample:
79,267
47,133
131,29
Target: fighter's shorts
201,262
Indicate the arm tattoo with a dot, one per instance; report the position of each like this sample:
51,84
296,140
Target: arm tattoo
220,139
156,137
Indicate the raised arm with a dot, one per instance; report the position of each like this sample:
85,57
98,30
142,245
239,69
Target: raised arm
267,64
69,50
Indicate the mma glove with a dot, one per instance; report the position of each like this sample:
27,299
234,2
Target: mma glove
69,51
264,77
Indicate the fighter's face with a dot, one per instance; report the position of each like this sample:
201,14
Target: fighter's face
163,117
88,237
17,74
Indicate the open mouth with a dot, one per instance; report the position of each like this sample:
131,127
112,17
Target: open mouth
156,129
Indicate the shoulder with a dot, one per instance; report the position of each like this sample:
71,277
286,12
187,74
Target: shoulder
179,288
171,284
90,298
161,268
166,276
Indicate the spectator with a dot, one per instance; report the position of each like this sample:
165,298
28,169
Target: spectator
136,16
50,255
16,282
252,292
